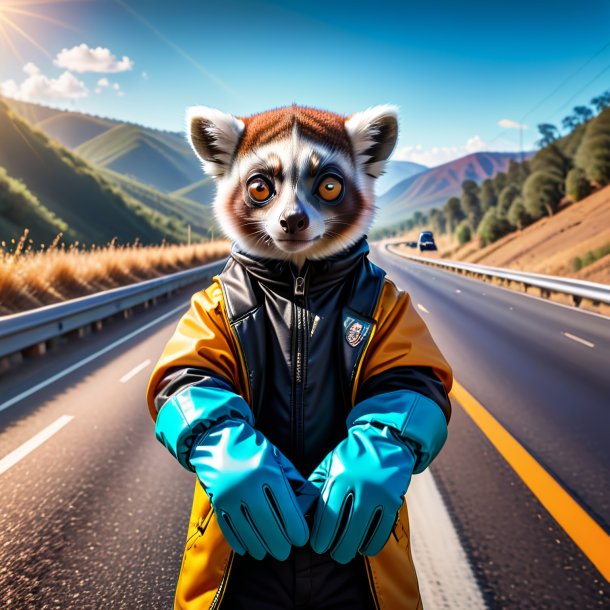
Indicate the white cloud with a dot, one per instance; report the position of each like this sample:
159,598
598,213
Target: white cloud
437,155
38,87
83,58
510,124
104,83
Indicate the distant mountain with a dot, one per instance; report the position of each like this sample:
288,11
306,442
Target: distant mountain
395,172
32,113
203,191
431,188
71,193
161,159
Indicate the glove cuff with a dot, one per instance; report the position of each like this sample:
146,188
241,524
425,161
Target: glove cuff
417,420
192,412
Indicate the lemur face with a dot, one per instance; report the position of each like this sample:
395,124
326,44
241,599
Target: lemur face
295,182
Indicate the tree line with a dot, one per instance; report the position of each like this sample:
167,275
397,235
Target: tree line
565,169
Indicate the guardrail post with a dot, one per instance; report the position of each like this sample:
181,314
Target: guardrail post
34,351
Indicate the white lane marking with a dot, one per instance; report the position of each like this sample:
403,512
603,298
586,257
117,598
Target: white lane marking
420,306
134,371
578,339
43,384
458,291
44,435
445,578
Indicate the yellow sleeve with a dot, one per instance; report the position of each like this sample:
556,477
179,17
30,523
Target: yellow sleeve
202,339
401,339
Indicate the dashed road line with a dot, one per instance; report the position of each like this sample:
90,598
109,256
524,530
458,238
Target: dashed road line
578,339
458,291
134,371
592,540
38,439
43,384
422,308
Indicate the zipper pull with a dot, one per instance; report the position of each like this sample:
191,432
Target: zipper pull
299,286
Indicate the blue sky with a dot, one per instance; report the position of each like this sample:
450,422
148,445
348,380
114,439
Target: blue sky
455,69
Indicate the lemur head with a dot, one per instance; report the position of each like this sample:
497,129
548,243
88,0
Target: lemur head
295,182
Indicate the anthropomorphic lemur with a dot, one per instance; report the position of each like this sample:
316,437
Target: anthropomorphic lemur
301,387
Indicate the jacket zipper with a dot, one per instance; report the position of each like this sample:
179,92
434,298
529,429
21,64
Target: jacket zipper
299,359
223,583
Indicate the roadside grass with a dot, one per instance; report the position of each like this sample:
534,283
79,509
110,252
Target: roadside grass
30,278
590,257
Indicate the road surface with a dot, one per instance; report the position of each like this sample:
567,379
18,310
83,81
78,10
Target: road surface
94,510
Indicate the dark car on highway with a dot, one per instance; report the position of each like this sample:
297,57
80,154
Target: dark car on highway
426,241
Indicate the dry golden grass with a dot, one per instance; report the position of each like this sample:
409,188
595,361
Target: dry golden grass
31,279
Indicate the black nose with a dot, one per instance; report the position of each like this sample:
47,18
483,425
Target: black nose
294,220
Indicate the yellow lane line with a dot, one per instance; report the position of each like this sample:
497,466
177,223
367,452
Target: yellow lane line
578,525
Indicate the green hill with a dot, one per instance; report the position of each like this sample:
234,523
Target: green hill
20,209
198,215
71,189
162,159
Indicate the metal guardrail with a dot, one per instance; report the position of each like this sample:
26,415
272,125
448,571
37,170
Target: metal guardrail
22,330
577,289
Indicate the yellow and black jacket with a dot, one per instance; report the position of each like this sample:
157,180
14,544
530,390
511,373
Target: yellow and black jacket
302,350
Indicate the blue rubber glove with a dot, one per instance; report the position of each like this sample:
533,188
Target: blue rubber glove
257,494
363,480
253,489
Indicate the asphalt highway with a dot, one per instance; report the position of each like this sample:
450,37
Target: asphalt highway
522,359
95,515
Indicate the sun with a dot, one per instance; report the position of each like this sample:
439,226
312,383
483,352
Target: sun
12,15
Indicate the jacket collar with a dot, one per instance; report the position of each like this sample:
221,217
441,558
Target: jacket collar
319,275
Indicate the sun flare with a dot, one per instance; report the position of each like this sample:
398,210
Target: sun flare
14,18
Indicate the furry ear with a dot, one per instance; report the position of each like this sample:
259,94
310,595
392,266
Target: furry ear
214,136
373,133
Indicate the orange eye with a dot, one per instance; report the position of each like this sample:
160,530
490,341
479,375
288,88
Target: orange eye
259,190
330,188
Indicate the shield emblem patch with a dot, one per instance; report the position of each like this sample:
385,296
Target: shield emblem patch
355,332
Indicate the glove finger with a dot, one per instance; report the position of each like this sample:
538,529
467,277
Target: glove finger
332,514
378,533
228,531
285,506
348,541
262,514
243,528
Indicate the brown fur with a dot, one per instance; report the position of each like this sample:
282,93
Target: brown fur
317,125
